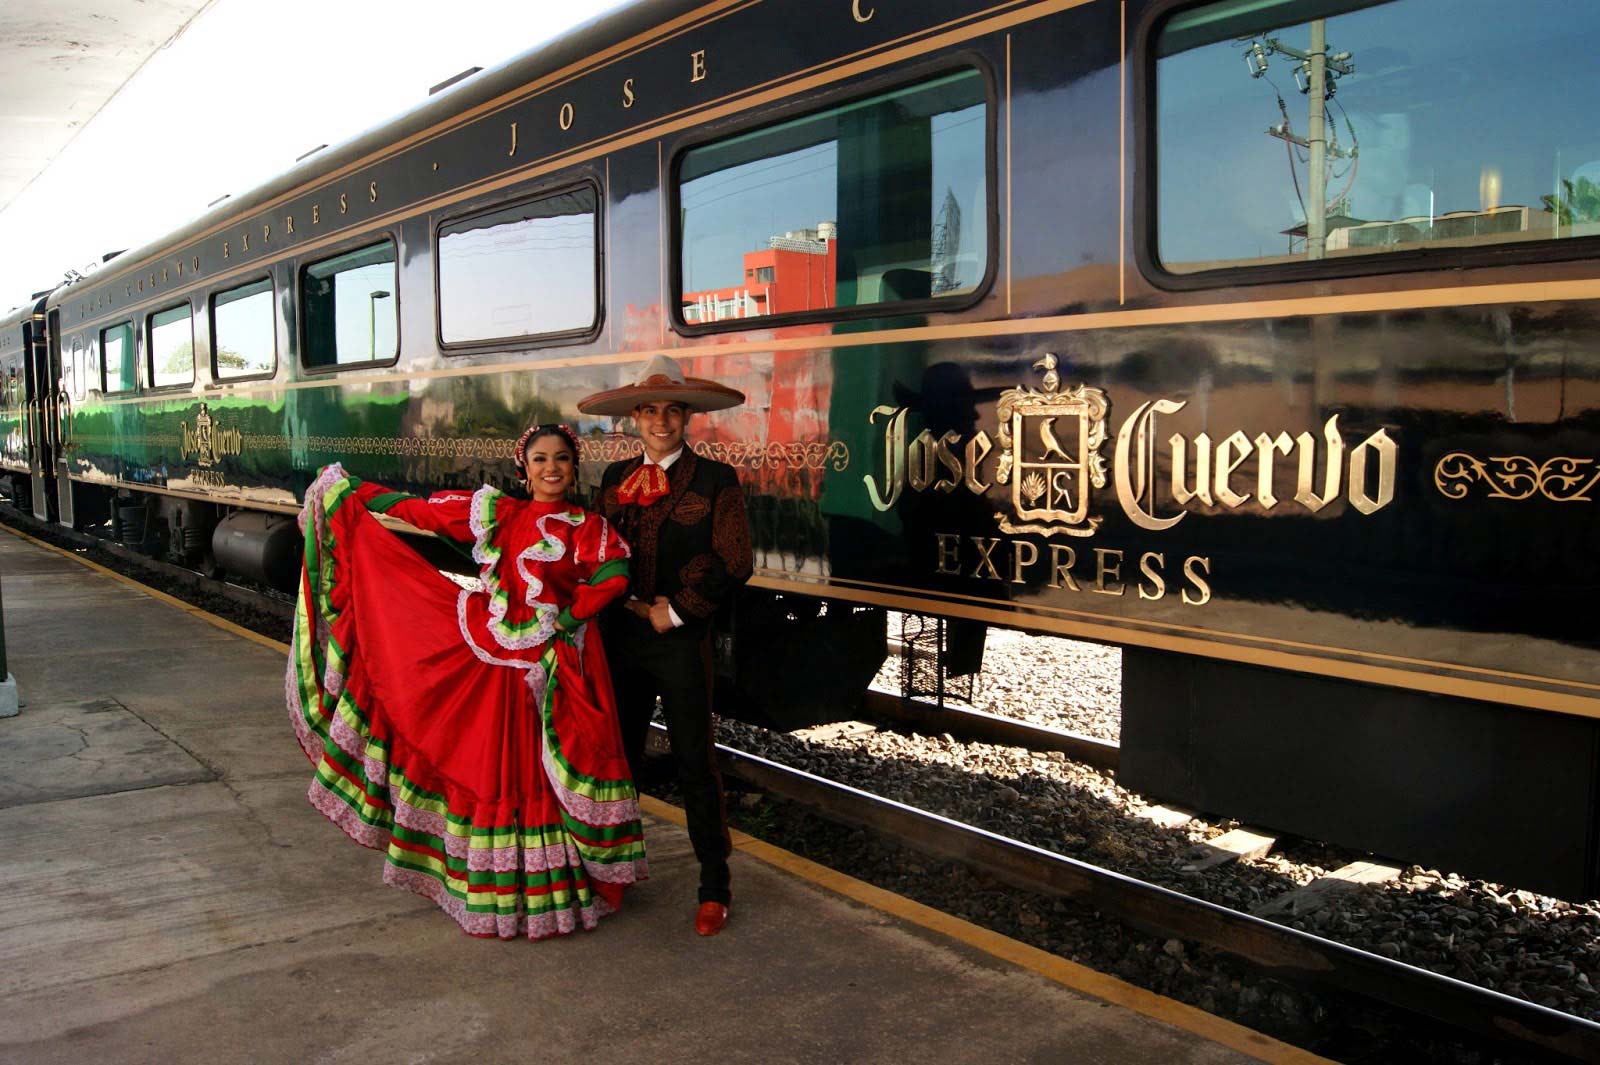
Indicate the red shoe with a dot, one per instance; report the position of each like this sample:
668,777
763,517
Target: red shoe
710,918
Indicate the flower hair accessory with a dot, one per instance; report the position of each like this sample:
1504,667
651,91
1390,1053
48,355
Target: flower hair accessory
519,456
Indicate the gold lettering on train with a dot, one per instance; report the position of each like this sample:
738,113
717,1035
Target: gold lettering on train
855,10
1059,566
985,546
1049,458
564,116
197,264
164,276
316,213
894,452
1024,554
288,225
266,232
1158,584
513,150
697,66
1108,567
207,442
244,241
225,252
1191,569
977,450
344,204
627,93
372,192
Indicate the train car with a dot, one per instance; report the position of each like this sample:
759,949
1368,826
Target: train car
1037,330
26,409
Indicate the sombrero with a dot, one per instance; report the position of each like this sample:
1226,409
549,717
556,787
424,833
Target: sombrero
662,382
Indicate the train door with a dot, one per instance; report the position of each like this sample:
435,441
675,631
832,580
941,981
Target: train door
62,378
41,455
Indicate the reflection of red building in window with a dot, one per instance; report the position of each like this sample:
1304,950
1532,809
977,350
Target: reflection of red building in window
795,272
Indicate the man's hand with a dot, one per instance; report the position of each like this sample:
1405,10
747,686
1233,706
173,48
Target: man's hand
660,616
638,608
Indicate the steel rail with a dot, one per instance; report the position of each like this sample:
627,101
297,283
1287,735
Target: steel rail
1282,952
961,723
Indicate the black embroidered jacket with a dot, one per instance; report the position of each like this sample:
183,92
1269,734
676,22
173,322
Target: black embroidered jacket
693,544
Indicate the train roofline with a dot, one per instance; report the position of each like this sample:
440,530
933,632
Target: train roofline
32,307
571,48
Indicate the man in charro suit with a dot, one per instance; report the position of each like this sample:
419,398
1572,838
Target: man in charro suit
684,516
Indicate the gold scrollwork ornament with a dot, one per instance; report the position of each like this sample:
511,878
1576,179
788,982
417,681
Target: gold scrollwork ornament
1562,479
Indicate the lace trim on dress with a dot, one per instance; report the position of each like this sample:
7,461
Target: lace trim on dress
535,671
503,925
548,548
314,506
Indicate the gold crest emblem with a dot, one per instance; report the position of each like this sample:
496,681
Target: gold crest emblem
1050,454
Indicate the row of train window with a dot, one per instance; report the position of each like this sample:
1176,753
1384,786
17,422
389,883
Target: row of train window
349,306
888,199
531,270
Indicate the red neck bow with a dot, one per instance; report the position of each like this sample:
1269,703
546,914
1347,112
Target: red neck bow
644,485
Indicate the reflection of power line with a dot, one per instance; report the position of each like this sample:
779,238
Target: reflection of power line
957,125
531,253
764,184
715,181
698,188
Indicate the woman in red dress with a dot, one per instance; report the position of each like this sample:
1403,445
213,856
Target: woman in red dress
471,734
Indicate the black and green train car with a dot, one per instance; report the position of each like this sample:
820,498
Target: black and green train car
1037,330
26,406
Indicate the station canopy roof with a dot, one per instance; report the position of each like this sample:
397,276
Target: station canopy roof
61,61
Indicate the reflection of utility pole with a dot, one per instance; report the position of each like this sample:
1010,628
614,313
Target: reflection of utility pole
1317,213
1313,68
372,321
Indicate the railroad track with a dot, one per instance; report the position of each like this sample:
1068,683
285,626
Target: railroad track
1279,951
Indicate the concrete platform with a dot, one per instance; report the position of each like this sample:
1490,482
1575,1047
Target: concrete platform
167,894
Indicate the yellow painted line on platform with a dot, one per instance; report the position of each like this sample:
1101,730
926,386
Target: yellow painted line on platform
187,608
1069,974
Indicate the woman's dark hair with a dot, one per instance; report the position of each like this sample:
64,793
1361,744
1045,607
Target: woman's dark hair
538,432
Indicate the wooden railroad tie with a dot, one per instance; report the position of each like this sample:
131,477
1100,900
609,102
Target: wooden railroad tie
1324,889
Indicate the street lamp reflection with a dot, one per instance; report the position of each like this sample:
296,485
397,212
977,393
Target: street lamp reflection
372,320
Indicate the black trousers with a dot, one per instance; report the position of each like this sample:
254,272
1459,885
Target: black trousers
677,667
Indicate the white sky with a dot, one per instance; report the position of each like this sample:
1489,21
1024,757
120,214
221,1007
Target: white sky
248,87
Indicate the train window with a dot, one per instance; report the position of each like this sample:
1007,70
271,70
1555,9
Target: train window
118,358
170,343
348,305
522,271
1294,130
244,331
74,371
878,201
